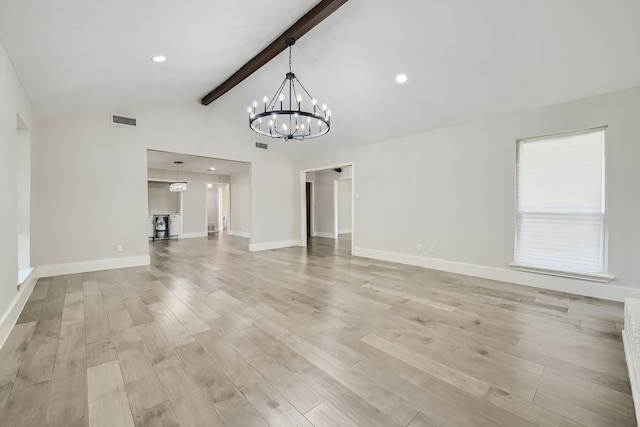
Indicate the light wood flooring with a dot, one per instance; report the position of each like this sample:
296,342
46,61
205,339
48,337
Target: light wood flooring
212,335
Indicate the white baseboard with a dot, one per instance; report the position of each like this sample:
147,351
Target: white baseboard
10,317
323,234
95,265
344,231
606,291
255,247
239,233
194,235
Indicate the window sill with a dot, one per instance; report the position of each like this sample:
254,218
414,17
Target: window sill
23,275
602,278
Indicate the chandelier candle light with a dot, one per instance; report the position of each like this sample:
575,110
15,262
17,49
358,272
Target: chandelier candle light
178,185
284,115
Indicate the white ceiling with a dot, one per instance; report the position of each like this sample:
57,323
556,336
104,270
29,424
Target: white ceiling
164,160
466,59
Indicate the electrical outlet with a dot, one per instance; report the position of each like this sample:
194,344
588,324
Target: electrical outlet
419,247
432,248
119,248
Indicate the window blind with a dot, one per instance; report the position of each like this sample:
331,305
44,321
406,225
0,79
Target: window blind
560,213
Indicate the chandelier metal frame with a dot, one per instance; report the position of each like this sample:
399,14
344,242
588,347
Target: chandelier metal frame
283,116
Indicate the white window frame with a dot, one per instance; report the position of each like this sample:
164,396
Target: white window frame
597,277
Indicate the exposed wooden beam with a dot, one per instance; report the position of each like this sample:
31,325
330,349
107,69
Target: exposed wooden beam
312,18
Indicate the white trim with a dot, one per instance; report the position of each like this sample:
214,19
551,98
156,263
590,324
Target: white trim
555,283
574,132
206,207
344,231
335,209
23,274
181,217
10,317
94,265
324,234
303,209
194,235
239,234
602,278
255,247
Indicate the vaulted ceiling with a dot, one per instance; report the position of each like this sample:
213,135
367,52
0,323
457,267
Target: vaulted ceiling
466,59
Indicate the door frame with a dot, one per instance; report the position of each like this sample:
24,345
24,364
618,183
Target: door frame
312,205
303,203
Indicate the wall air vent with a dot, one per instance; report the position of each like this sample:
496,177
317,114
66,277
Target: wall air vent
262,145
122,120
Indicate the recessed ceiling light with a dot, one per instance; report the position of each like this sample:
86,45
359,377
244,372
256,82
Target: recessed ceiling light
211,168
159,58
401,78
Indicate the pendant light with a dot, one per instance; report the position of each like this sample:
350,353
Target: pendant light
178,185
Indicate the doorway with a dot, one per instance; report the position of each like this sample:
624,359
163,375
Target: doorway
217,206
205,206
327,204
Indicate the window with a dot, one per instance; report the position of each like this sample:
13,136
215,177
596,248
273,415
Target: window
560,209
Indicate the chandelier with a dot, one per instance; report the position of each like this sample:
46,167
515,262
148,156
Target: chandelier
178,185
285,115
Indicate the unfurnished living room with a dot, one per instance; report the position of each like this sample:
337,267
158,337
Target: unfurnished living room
319,213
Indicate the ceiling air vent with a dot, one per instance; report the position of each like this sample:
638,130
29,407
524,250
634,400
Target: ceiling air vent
262,145
122,120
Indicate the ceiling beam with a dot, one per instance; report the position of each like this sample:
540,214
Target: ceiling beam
303,25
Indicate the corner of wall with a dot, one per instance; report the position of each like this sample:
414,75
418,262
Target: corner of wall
10,317
244,234
256,247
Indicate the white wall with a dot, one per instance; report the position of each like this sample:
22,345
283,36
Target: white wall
161,200
23,194
323,203
13,103
98,170
194,210
240,200
224,201
213,207
344,206
454,189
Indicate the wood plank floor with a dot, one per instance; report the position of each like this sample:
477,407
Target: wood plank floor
212,335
